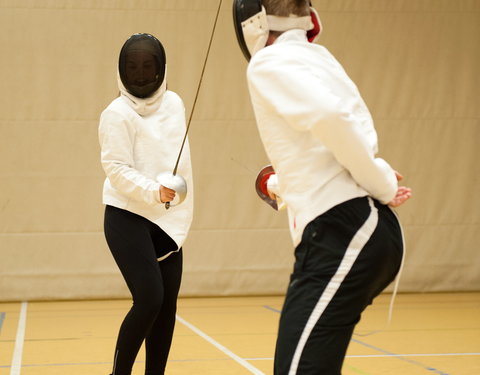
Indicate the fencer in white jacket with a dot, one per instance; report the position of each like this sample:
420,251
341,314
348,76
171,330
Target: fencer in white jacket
316,130
140,139
141,133
320,139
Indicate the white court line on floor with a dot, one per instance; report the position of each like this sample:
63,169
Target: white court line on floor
386,356
17,352
413,355
220,347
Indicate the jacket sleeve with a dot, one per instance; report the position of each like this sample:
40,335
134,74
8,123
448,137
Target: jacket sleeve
116,136
305,102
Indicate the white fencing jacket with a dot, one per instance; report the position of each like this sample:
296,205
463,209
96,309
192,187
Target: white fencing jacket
316,130
139,139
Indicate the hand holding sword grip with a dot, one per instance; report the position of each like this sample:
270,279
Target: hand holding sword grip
266,185
173,189
167,192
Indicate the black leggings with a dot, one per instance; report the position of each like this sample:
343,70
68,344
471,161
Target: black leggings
136,243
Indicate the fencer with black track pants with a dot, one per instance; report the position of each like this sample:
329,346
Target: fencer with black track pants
321,141
140,135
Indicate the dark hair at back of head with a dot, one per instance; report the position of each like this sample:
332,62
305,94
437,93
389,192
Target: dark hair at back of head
285,8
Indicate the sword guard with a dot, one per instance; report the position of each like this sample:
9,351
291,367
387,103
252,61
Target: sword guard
261,186
174,182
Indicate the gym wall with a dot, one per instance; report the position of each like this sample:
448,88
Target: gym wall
416,64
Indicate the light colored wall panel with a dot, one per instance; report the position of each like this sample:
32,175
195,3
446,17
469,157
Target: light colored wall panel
57,265
415,63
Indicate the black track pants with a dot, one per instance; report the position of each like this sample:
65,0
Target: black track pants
347,256
136,243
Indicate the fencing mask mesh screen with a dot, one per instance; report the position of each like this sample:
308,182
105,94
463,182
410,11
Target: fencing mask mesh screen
142,65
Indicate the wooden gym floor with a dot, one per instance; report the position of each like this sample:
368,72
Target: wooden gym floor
430,334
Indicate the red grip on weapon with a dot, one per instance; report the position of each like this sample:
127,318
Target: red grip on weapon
263,183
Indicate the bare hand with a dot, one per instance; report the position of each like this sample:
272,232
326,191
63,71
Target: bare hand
403,194
166,194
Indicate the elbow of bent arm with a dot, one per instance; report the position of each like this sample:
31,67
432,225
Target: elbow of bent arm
384,182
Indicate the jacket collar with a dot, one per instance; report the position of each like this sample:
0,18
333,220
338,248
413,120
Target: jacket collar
145,106
294,35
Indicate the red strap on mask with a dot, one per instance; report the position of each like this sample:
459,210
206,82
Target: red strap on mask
317,27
